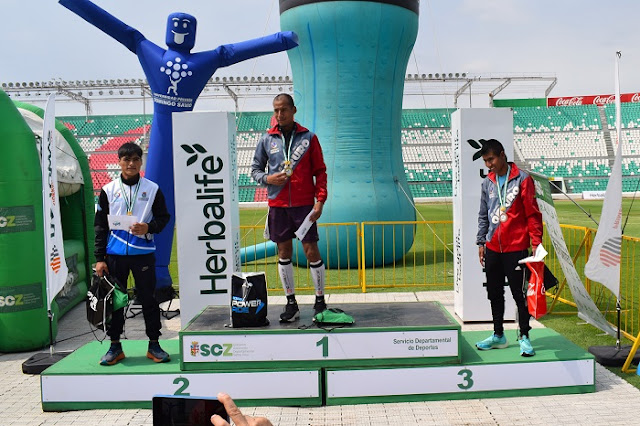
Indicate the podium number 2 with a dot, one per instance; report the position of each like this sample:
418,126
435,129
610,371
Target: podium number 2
324,342
185,384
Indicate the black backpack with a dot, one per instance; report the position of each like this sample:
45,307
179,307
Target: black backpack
100,301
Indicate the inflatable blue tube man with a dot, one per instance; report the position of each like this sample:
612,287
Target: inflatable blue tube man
348,76
176,78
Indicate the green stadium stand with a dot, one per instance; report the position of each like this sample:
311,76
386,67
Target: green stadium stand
567,142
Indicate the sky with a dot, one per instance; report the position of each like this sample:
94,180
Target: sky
573,40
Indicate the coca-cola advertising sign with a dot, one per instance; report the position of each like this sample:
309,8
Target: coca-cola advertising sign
598,100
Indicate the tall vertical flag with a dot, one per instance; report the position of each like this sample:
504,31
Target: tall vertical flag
604,261
55,264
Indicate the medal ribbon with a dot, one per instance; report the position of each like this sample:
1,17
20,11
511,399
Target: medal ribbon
285,151
503,198
129,202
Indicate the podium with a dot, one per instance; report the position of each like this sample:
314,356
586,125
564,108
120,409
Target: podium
394,352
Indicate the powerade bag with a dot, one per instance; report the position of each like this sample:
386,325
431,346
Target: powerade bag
249,300
103,297
333,316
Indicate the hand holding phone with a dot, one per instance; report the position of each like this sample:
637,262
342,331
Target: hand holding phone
174,410
236,415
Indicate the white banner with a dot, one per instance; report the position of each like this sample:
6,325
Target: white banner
604,261
460,378
468,127
207,215
320,346
56,267
118,387
587,310
593,195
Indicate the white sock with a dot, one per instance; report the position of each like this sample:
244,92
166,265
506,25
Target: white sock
317,274
285,269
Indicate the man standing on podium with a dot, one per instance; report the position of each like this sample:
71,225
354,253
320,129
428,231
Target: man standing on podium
120,251
509,222
296,179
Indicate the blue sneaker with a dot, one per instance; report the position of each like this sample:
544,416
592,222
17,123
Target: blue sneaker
525,347
156,353
113,355
493,342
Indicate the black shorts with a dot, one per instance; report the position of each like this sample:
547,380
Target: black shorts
285,221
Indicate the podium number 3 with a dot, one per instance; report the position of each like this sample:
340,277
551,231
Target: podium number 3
467,382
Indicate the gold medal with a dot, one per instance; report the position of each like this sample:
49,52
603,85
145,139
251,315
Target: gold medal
287,168
503,209
129,213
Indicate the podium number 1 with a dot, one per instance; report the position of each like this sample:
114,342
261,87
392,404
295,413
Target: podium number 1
324,342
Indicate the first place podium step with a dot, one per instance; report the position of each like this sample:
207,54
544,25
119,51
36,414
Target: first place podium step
385,334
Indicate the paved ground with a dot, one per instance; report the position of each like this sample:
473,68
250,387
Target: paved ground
615,401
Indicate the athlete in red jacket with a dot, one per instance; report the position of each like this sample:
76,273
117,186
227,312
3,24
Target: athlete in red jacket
289,161
509,222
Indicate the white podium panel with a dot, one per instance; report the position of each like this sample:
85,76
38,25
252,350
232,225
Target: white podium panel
207,216
468,127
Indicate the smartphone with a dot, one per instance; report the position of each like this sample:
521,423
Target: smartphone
177,410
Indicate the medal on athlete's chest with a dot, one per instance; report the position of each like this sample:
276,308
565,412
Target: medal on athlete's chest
502,195
287,168
286,150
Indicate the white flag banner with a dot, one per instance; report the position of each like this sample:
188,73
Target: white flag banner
55,264
587,310
604,261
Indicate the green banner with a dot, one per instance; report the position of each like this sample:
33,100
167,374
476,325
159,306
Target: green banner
543,188
17,219
21,298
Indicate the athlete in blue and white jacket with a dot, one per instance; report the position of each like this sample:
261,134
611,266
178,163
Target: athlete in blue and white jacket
122,251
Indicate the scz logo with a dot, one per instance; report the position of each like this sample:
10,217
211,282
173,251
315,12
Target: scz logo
11,300
7,221
216,349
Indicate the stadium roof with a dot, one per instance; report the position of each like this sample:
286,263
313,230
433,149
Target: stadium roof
451,90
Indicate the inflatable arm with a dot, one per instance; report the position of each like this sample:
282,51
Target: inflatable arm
230,54
103,20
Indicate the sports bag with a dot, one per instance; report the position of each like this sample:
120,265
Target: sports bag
249,300
536,298
333,316
103,297
100,301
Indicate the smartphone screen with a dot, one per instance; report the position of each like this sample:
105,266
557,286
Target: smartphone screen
172,410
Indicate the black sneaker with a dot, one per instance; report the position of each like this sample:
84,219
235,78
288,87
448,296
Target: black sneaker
291,312
113,355
156,353
319,306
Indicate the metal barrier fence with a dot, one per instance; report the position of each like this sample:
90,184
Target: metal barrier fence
428,264
579,241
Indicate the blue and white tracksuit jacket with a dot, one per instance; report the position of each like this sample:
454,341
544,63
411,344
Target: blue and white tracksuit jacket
149,207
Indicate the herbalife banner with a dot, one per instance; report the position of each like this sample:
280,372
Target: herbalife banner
587,310
207,217
56,267
469,128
